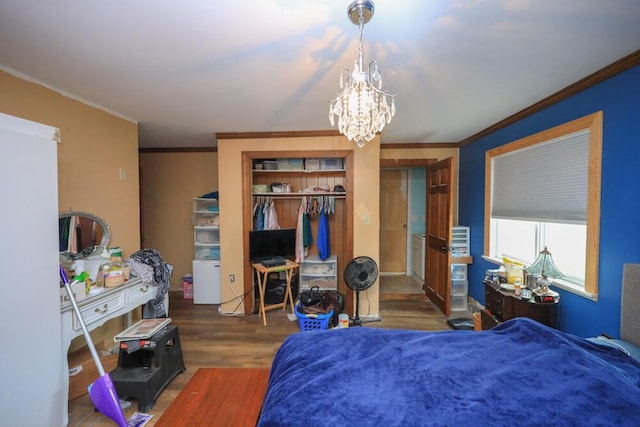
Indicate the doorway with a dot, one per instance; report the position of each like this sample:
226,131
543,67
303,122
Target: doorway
393,220
397,277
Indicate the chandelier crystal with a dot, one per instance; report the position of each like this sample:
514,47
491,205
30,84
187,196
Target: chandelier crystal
362,108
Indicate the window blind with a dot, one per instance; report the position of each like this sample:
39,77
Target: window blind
543,182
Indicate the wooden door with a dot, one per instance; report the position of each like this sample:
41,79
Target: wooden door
439,225
393,220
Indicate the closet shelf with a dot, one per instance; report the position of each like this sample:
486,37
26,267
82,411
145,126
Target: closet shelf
297,171
298,195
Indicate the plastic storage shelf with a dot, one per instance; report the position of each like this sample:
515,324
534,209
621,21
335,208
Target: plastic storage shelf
460,241
458,271
317,272
203,252
459,303
206,263
459,287
459,280
207,235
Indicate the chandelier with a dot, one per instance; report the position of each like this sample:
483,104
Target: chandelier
362,108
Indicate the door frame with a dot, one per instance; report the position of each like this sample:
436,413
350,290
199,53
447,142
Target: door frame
407,163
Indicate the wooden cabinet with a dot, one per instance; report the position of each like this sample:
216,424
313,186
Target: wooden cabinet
501,305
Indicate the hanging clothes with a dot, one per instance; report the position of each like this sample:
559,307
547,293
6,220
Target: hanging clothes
301,250
265,215
272,222
258,213
307,234
324,246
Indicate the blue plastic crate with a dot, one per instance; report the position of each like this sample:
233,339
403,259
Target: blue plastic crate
312,322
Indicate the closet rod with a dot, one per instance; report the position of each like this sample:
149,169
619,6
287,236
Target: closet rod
298,196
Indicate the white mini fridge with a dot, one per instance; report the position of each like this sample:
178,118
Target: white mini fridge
206,282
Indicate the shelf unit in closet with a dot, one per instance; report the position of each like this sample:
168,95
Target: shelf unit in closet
297,181
317,272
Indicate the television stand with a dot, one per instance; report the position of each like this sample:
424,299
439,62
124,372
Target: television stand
261,273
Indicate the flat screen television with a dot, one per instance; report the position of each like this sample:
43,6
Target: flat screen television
271,243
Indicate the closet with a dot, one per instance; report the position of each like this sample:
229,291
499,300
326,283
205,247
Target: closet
319,181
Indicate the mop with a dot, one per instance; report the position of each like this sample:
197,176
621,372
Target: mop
102,391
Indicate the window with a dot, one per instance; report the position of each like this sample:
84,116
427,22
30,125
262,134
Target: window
544,190
523,240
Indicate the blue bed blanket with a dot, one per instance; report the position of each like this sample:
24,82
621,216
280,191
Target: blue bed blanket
519,373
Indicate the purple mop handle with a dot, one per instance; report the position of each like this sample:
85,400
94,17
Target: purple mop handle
87,336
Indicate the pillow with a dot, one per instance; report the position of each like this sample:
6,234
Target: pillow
626,347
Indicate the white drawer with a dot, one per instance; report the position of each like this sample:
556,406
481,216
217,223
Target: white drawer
79,293
99,310
323,282
141,291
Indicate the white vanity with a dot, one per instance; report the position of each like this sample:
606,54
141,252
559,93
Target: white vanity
96,310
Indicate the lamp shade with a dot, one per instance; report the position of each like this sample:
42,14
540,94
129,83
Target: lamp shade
543,266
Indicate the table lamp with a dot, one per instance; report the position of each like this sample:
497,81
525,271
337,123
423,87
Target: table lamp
544,267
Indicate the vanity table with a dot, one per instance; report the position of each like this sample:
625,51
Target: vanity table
96,310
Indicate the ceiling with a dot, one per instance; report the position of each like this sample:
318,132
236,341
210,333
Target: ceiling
188,70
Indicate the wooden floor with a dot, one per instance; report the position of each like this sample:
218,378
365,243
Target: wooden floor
212,340
401,287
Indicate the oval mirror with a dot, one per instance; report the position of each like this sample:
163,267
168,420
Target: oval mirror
82,234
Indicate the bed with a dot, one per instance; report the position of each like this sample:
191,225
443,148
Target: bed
518,373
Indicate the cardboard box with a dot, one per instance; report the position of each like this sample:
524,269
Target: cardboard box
187,289
83,370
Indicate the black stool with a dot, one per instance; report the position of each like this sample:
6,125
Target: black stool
143,373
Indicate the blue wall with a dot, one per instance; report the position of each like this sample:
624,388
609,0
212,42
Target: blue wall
418,198
619,99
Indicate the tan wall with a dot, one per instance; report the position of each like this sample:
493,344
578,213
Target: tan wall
170,180
169,183
429,153
95,145
366,203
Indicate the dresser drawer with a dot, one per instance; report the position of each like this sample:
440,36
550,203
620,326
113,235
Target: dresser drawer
141,291
494,302
487,320
97,311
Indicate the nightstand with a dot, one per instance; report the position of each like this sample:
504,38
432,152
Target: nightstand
501,305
